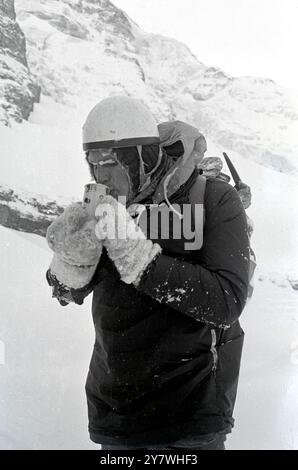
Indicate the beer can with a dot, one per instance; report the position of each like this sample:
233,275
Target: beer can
91,196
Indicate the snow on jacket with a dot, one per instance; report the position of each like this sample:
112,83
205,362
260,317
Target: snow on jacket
166,357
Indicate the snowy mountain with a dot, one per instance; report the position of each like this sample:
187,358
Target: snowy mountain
18,88
84,50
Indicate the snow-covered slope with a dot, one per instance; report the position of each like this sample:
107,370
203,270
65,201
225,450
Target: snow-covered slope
266,411
48,348
274,212
85,50
47,353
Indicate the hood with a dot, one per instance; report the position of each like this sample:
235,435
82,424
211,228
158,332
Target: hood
194,146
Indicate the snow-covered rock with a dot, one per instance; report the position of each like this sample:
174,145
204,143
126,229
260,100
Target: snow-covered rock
18,89
27,212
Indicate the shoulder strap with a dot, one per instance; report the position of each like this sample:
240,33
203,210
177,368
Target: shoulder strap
197,196
197,191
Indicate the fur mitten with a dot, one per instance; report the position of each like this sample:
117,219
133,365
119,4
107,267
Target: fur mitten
76,249
126,244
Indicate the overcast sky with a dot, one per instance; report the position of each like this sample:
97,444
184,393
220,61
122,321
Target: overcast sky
242,37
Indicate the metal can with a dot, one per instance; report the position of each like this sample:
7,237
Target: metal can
91,196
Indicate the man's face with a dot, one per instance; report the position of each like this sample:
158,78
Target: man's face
108,171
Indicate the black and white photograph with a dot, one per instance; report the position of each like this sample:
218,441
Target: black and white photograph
149,226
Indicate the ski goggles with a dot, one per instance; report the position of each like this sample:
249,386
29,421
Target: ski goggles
102,157
114,155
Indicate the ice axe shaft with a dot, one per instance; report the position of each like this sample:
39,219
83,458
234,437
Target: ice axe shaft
234,173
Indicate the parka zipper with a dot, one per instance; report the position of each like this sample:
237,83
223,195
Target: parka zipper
214,350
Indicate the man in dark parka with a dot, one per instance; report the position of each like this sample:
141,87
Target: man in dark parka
166,358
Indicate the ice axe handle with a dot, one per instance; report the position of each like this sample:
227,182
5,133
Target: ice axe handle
234,173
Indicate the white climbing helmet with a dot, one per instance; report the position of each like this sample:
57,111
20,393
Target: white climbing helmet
119,121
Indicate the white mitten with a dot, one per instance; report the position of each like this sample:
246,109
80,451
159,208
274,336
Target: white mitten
126,244
76,249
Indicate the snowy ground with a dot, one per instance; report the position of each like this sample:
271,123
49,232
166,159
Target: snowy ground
48,348
266,411
47,353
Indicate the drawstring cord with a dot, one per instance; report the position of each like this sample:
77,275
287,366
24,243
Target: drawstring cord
144,175
165,186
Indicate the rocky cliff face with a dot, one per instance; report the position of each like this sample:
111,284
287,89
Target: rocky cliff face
18,89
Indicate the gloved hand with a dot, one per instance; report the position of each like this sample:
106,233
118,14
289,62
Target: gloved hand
76,249
126,244
64,294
